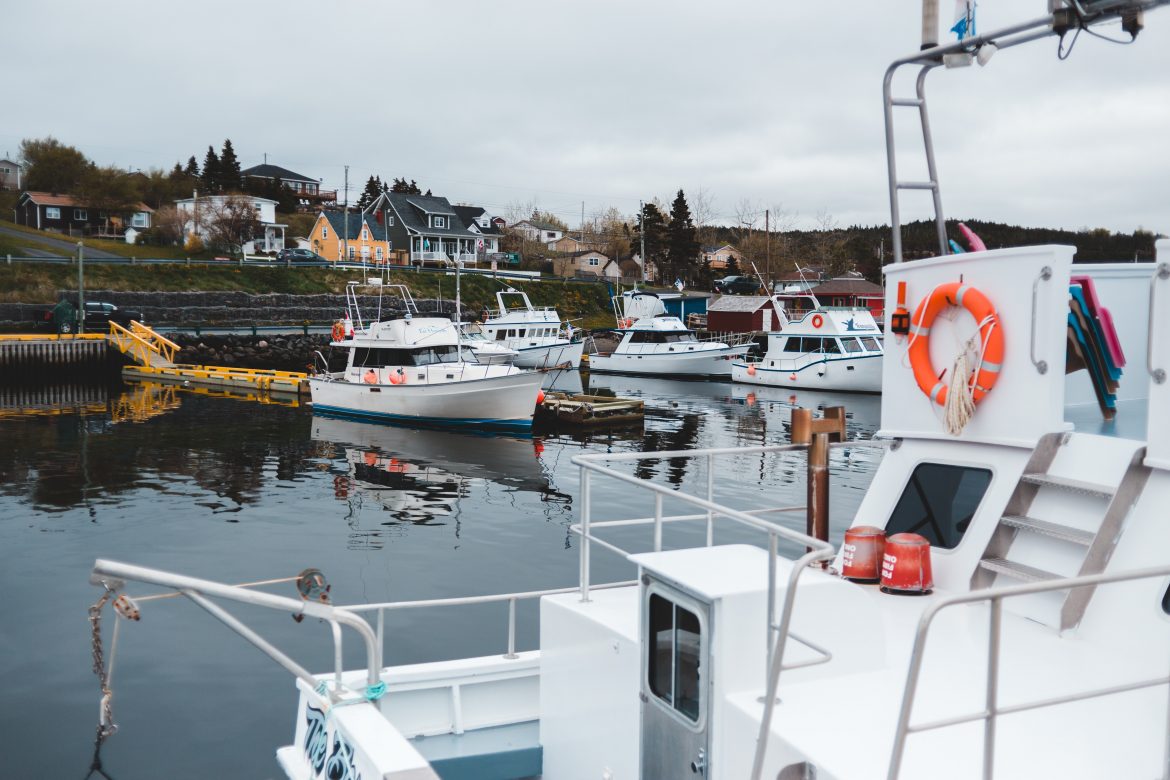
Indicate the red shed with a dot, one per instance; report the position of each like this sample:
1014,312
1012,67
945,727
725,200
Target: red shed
742,314
851,292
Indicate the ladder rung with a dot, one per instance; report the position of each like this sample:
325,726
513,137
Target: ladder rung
1017,570
911,102
1064,483
917,185
1055,530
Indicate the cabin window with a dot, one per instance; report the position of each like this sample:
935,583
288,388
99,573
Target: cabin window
52,212
80,215
500,335
851,345
1166,602
511,333
405,357
939,502
872,344
831,346
793,344
673,668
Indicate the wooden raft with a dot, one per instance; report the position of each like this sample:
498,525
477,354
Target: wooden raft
589,409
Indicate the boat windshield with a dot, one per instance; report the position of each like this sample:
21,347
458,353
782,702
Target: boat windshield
660,337
423,356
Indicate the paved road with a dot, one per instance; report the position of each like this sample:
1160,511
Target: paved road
67,247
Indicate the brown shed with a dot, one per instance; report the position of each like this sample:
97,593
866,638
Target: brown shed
742,314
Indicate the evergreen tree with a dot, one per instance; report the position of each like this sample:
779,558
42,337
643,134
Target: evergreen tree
400,185
192,168
655,236
229,168
682,249
210,176
374,188
176,173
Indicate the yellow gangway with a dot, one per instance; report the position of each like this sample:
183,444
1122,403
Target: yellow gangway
143,345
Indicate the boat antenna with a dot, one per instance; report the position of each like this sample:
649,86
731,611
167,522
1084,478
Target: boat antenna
458,309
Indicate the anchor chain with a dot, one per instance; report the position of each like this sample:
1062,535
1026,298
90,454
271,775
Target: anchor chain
106,726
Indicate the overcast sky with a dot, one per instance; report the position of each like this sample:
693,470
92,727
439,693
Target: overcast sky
775,102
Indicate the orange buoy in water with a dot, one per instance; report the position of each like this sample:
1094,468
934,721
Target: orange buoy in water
861,554
906,565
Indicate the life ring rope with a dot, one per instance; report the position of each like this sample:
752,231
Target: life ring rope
966,388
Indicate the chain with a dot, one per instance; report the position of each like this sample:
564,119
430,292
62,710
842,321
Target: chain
106,726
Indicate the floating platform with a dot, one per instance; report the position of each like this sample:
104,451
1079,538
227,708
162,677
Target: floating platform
589,410
248,380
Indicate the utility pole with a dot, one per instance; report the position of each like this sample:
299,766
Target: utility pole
642,232
581,232
80,287
345,238
768,245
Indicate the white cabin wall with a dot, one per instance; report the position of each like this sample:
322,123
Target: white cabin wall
590,721
1024,403
1158,454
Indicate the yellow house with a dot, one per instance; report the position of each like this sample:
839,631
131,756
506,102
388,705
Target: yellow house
366,240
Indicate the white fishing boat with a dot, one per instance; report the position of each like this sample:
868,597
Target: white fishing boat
1019,627
659,344
480,348
539,337
826,349
412,369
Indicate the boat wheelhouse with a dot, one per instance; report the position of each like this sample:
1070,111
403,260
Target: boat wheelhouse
663,345
826,349
413,369
538,335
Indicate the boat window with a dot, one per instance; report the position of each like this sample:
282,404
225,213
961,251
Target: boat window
500,335
432,355
511,333
851,345
673,669
939,502
1166,602
831,346
793,344
872,344
645,337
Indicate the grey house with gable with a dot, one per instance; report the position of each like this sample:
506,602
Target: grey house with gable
427,227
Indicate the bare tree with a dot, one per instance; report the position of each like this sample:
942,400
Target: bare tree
230,223
170,225
703,214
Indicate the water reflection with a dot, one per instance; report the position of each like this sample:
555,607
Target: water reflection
418,477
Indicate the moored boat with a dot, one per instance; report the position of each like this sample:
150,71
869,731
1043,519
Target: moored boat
662,345
539,337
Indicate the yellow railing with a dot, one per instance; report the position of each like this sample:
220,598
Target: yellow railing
139,341
9,337
166,347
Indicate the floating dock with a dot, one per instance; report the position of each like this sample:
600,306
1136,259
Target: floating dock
249,380
589,410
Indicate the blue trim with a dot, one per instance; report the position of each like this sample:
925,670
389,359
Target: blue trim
434,422
760,367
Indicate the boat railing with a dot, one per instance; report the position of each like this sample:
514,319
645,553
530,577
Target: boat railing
992,709
459,601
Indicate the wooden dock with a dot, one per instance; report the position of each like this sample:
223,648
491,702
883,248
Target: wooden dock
589,410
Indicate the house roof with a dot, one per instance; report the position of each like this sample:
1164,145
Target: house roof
750,303
267,171
11,162
847,287
412,210
584,252
630,268
539,225
713,249
469,215
51,199
809,275
337,222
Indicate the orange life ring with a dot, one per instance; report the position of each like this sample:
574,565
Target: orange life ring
817,320
990,336
338,331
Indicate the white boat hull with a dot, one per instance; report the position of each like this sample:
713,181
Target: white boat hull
706,362
550,355
847,374
495,401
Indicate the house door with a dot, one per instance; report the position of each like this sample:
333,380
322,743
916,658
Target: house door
676,649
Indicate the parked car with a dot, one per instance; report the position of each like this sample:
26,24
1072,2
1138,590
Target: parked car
737,285
98,316
298,256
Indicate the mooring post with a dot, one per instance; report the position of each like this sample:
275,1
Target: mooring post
80,287
817,434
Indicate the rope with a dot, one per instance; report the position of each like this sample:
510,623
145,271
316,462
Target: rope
960,406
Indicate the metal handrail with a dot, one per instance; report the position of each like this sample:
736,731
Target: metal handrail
1157,374
777,633
992,709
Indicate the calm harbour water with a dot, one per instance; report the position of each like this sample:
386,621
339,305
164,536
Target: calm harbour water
233,491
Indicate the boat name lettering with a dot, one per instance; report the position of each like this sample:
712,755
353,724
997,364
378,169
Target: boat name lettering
340,765
316,741
428,329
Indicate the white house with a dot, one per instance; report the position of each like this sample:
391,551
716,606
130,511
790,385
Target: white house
201,210
538,231
478,221
10,171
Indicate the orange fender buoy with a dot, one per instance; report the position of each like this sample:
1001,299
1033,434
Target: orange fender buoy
539,397
370,377
990,336
751,369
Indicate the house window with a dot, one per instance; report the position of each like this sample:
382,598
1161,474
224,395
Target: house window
325,232
439,222
52,212
352,252
939,502
378,253
551,236
80,215
365,235
139,219
593,261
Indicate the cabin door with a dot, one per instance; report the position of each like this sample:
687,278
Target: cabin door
676,692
